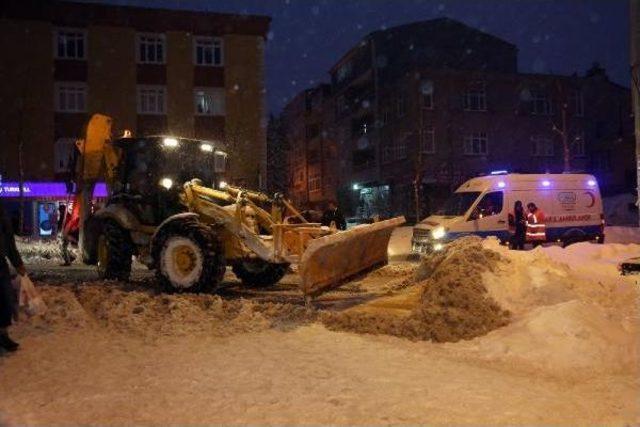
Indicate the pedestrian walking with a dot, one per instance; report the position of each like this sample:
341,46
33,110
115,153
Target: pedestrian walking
518,223
8,250
333,215
536,227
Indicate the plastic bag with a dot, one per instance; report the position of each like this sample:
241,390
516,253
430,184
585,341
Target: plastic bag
28,298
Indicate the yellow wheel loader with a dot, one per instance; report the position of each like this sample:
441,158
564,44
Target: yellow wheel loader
169,205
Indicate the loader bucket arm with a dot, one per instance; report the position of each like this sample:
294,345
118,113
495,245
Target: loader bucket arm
329,260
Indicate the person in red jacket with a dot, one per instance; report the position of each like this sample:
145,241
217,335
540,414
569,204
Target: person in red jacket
536,228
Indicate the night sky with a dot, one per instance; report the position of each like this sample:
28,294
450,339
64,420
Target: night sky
308,36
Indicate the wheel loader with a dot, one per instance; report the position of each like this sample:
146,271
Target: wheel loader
170,206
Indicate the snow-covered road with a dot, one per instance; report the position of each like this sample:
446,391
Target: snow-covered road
123,354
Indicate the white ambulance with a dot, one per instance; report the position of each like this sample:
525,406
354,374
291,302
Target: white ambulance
571,204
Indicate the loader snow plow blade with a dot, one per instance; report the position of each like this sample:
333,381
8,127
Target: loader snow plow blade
329,260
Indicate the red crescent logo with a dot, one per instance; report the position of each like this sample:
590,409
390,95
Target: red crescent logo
593,199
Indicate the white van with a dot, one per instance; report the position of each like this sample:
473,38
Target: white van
481,206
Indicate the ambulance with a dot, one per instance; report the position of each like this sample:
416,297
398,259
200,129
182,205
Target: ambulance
482,206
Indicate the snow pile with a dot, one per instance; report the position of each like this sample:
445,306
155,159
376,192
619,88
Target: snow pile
571,309
393,271
146,314
453,303
35,251
620,209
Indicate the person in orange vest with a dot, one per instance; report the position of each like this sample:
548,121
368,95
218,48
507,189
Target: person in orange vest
536,228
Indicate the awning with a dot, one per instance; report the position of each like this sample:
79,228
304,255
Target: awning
49,190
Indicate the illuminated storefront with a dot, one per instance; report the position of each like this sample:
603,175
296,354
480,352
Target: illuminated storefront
43,202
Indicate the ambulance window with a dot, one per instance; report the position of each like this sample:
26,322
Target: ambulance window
490,204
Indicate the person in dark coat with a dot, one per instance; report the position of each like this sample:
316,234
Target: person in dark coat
519,223
333,215
9,251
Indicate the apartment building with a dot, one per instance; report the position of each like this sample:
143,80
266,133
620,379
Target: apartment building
155,71
307,122
436,102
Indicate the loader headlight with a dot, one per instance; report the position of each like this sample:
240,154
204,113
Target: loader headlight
438,233
438,247
222,185
170,142
166,183
206,148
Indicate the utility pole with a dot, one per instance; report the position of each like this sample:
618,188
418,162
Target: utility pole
634,33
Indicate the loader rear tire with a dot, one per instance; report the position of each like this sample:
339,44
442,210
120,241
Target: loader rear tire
259,273
189,258
114,252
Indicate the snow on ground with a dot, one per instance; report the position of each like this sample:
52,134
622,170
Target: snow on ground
113,354
34,251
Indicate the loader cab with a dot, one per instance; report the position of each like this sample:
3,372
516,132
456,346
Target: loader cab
152,171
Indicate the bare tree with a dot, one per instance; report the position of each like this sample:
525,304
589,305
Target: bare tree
561,129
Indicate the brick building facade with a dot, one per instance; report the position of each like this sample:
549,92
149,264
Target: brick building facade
155,71
437,102
312,156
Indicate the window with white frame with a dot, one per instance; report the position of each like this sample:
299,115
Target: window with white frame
427,142
151,48
69,43
152,100
401,106
314,182
578,147
540,103
70,97
476,144
542,147
207,51
209,101
426,89
577,102
475,99
63,154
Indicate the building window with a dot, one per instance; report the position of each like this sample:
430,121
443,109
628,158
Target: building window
151,48
209,101
476,144
208,51
385,115
475,100
63,155
542,147
386,154
601,161
343,72
71,97
426,89
69,44
427,142
401,106
577,102
152,100
314,182
399,149
578,147
540,103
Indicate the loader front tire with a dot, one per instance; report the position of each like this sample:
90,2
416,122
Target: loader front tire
189,258
258,273
114,252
